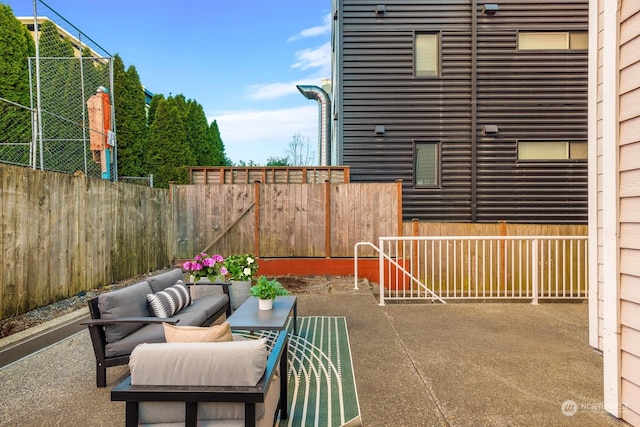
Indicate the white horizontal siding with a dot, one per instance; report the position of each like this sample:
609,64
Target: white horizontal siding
629,167
631,393
630,288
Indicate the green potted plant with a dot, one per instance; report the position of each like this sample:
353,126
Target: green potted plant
266,291
240,270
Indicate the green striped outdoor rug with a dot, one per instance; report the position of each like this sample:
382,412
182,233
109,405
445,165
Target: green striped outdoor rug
322,385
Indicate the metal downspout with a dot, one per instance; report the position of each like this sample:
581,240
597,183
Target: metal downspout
324,121
474,106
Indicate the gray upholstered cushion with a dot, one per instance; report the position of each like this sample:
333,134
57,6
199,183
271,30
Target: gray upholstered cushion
126,302
152,333
223,363
240,363
160,282
209,304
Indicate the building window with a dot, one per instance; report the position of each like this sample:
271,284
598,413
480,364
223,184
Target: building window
427,55
552,150
553,40
427,164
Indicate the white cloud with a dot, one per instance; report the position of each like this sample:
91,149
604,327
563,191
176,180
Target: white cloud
259,134
318,57
272,90
281,89
319,30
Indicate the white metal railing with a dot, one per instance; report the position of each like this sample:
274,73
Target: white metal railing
391,262
472,267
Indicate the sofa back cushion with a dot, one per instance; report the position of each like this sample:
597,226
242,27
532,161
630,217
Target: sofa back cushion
162,281
239,363
126,302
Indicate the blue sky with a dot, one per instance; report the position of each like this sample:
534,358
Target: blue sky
240,59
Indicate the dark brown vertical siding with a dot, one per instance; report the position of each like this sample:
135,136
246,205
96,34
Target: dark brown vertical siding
529,95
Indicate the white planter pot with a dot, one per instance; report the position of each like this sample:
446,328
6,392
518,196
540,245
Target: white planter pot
265,304
238,292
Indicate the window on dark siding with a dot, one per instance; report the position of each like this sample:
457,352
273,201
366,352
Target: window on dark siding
552,150
426,164
547,40
426,54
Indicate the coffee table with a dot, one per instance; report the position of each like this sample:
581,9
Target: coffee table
249,318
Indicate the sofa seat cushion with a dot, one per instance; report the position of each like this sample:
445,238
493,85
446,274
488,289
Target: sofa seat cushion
126,302
168,302
152,333
162,281
209,304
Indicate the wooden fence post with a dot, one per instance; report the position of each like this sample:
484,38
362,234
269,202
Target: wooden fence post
399,219
503,254
327,218
414,247
256,226
399,192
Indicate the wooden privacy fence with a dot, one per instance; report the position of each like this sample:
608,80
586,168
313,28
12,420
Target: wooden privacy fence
283,220
63,234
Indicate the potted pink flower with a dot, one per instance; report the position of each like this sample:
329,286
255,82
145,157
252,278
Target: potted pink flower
212,267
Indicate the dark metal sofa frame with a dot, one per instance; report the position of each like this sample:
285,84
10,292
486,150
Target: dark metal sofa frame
98,339
192,395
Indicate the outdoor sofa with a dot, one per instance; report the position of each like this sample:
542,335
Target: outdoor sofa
241,382
122,319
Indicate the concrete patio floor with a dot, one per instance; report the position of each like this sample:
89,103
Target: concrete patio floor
467,364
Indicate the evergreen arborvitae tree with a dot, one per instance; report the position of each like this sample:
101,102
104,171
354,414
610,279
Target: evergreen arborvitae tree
153,106
169,152
219,156
131,119
198,134
179,102
16,45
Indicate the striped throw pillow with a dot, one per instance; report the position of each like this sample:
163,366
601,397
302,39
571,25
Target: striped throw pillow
170,301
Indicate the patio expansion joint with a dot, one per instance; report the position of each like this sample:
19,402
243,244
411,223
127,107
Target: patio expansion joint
425,383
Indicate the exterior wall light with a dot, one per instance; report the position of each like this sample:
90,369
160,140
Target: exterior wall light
489,9
380,130
381,10
490,129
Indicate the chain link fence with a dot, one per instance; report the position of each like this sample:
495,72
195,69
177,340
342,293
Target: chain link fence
58,130
64,132
16,133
